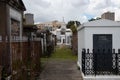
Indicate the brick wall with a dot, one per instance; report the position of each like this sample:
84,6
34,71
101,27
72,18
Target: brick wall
31,57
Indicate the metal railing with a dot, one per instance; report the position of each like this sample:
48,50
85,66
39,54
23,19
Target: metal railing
101,62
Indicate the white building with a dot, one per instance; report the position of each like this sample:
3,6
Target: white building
63,35
103,35
52,25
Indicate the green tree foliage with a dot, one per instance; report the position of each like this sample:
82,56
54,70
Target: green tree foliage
93,19
78,23
98,18
70,23
73,25
73,28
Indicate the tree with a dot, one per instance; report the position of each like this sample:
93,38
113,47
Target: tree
93,19
70,23
98,18
73,28
73,25
78,23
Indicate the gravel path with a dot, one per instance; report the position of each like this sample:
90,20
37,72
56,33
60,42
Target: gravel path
60,70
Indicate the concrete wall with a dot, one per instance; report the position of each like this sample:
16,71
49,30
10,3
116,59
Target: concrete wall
3,18
81,44
8,13
85,40
102,77
14,14
29,19
89,31
3,25
68,38
85,36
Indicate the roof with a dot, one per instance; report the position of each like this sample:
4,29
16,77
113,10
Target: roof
22,5
18,4
68,30
52,23
29,28
100,23
58,29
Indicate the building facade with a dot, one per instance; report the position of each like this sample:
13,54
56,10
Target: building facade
58,29
101,39
10,35
52,26
108,15
63,35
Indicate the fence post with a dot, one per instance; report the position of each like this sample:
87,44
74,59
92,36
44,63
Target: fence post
114,61
104,54
93,61
87,62
118,61
83,60
109,66
96,62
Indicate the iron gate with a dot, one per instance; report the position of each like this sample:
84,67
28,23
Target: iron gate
99,62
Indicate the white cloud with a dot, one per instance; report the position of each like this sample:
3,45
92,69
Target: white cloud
80,3
48,10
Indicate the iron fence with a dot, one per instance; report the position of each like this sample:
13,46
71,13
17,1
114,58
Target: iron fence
101,62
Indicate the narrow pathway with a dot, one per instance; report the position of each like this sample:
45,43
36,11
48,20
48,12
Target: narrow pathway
61,68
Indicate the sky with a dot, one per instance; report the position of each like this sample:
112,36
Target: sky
77,10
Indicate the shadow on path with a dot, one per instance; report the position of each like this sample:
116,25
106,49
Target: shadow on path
61,66
60,70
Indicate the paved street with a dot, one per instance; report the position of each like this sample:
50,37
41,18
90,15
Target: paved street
60,70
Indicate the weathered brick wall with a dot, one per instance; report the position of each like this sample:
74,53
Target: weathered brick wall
3,58
37,53
22,53
16,51
25,51
16,60
1,52
31,58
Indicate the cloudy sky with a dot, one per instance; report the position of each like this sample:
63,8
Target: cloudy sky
80,10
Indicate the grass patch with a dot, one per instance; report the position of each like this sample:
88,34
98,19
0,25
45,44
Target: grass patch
63,53
60,53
